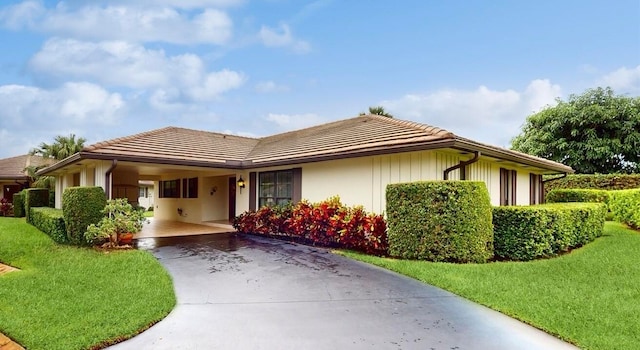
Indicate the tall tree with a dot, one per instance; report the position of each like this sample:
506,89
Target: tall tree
61,148
596,132
378,110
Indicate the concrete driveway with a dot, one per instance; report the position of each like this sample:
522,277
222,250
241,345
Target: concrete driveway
244,292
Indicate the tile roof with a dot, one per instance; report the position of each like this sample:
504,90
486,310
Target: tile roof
172,143
368,134
13,168
350,135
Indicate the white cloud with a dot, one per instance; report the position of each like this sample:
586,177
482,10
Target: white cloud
185,4
136,23
282,37
483,114
270,86
122,64
286,122
32,115
623,80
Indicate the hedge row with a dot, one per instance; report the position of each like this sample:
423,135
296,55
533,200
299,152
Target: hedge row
532,232
18,204
49,221
328,223
578,195
598,181
625,206
440,221
33,198
82,206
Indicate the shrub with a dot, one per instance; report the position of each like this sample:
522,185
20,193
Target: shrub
597,181
440,221
581,195
578,195
6,208
18,204
625,206
52,199
119,218
328,223
35,197
51,222
82,206
531,232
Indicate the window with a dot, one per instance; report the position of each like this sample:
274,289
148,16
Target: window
536,191
275,188
170,189
143,192
190,188
508,179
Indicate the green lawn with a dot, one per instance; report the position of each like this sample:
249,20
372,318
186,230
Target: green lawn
590,297
75,298
148,214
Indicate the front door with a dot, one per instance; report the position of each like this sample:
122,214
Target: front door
232,198
9,190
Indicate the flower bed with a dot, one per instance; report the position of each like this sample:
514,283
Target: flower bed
328,223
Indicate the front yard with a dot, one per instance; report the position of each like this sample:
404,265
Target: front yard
590,297
75,298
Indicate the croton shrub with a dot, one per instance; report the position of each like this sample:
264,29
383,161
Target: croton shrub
328,223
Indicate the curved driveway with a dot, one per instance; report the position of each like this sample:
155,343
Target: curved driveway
244,292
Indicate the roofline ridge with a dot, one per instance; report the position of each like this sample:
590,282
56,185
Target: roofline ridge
416,125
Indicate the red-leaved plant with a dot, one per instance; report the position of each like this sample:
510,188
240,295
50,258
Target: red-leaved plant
328,223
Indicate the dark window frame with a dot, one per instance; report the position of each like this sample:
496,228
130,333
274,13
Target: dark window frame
508,190
536,189
275,187
190,187
169,189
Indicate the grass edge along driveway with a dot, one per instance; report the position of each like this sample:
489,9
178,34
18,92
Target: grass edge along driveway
76,298
589,297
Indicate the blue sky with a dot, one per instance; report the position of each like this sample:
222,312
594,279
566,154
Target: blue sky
105,69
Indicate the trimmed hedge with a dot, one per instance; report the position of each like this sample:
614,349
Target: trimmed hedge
625,206
532,232
35,197
597,181
440,221
18,204
51,222
578,195
82,206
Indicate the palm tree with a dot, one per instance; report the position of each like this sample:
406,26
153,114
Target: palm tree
61,148
40,181
378,110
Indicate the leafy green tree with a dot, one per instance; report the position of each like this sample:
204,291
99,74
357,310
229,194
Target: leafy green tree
61,148
378,110
596,132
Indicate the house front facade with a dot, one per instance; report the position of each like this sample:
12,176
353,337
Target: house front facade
201,176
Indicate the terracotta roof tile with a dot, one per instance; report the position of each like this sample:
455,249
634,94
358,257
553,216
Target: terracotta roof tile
343,138
178,144
13,168
353,134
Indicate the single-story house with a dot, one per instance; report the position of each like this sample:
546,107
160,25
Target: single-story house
202,176
13,174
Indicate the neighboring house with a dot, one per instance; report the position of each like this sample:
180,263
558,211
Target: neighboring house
145,193
204,176
13,176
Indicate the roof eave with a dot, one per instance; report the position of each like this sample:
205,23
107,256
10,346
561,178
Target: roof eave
507,155
374,151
